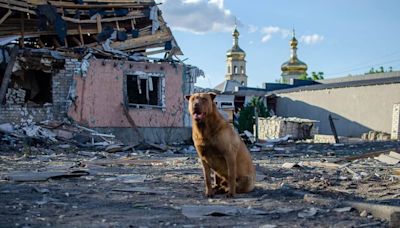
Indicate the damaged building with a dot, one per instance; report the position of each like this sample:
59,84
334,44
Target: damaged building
96,64
357,104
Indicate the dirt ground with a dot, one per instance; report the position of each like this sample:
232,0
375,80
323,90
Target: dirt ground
150,187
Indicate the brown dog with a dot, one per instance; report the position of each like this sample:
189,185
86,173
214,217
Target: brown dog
219,148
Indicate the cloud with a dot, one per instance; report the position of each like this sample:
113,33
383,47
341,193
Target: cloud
266,38
197,16
252,28
269,31
311,39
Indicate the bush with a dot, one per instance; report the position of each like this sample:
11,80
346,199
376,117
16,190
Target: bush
246,118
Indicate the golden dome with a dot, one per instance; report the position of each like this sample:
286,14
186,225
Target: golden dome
236,52
294,65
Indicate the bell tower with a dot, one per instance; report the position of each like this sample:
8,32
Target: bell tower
235,61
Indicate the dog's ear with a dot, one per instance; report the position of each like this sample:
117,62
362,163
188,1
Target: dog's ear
212,95
187,97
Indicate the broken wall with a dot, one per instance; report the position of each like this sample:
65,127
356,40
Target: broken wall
278,127
102,91
56,110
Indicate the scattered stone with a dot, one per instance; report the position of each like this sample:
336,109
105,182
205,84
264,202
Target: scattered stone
364,213
310,212
342,209
113,148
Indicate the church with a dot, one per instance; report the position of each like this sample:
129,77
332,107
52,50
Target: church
233,92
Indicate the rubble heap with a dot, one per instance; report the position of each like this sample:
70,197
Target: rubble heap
118,28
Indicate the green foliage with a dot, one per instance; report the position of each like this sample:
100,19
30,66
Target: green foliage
314,76
246,118
381,69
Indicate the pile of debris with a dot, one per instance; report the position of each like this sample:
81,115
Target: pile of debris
375,136
277,127
15,96
110,28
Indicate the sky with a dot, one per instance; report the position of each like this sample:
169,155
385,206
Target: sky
336,37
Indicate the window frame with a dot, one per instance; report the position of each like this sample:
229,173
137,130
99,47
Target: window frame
160,89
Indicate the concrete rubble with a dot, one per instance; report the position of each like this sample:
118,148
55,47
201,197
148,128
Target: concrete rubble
77,177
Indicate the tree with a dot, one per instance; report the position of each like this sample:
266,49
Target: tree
380,70
317,76
314,76
246,118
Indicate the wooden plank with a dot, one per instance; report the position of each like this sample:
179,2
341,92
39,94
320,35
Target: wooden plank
16,8
17,3
48,33
153,52
5,17
160,37
7,73
327,165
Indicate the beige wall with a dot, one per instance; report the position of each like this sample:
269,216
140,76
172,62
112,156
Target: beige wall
358,109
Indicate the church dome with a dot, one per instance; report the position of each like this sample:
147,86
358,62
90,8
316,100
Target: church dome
236,52
294,65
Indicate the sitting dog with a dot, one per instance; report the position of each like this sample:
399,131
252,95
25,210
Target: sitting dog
220,149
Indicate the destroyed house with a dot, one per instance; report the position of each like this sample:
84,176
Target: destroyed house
111,65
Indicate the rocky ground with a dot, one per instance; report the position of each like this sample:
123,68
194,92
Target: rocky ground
298,185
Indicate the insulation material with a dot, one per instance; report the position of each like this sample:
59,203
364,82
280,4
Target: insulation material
154,18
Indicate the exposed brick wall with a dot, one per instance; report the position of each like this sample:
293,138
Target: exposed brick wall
61,83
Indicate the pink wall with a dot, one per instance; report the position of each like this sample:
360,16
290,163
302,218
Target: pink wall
101,93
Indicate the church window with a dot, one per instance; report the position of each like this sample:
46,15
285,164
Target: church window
235,70
229,70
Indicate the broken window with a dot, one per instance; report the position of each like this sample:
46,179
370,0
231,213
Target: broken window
33,87
145,90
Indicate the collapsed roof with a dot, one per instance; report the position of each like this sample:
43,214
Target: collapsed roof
109,28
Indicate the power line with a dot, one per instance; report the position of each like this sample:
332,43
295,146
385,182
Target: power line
366,66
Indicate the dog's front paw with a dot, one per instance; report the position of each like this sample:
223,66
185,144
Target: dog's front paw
210,193
229,195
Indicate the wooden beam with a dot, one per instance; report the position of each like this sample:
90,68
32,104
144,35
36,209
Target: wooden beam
80,35
5,16
112,19
16,8
71,5
98,20
7,73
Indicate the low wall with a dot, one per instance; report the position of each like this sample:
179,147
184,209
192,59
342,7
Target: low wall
151,135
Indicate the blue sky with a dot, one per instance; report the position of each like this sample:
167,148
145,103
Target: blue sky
337,37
